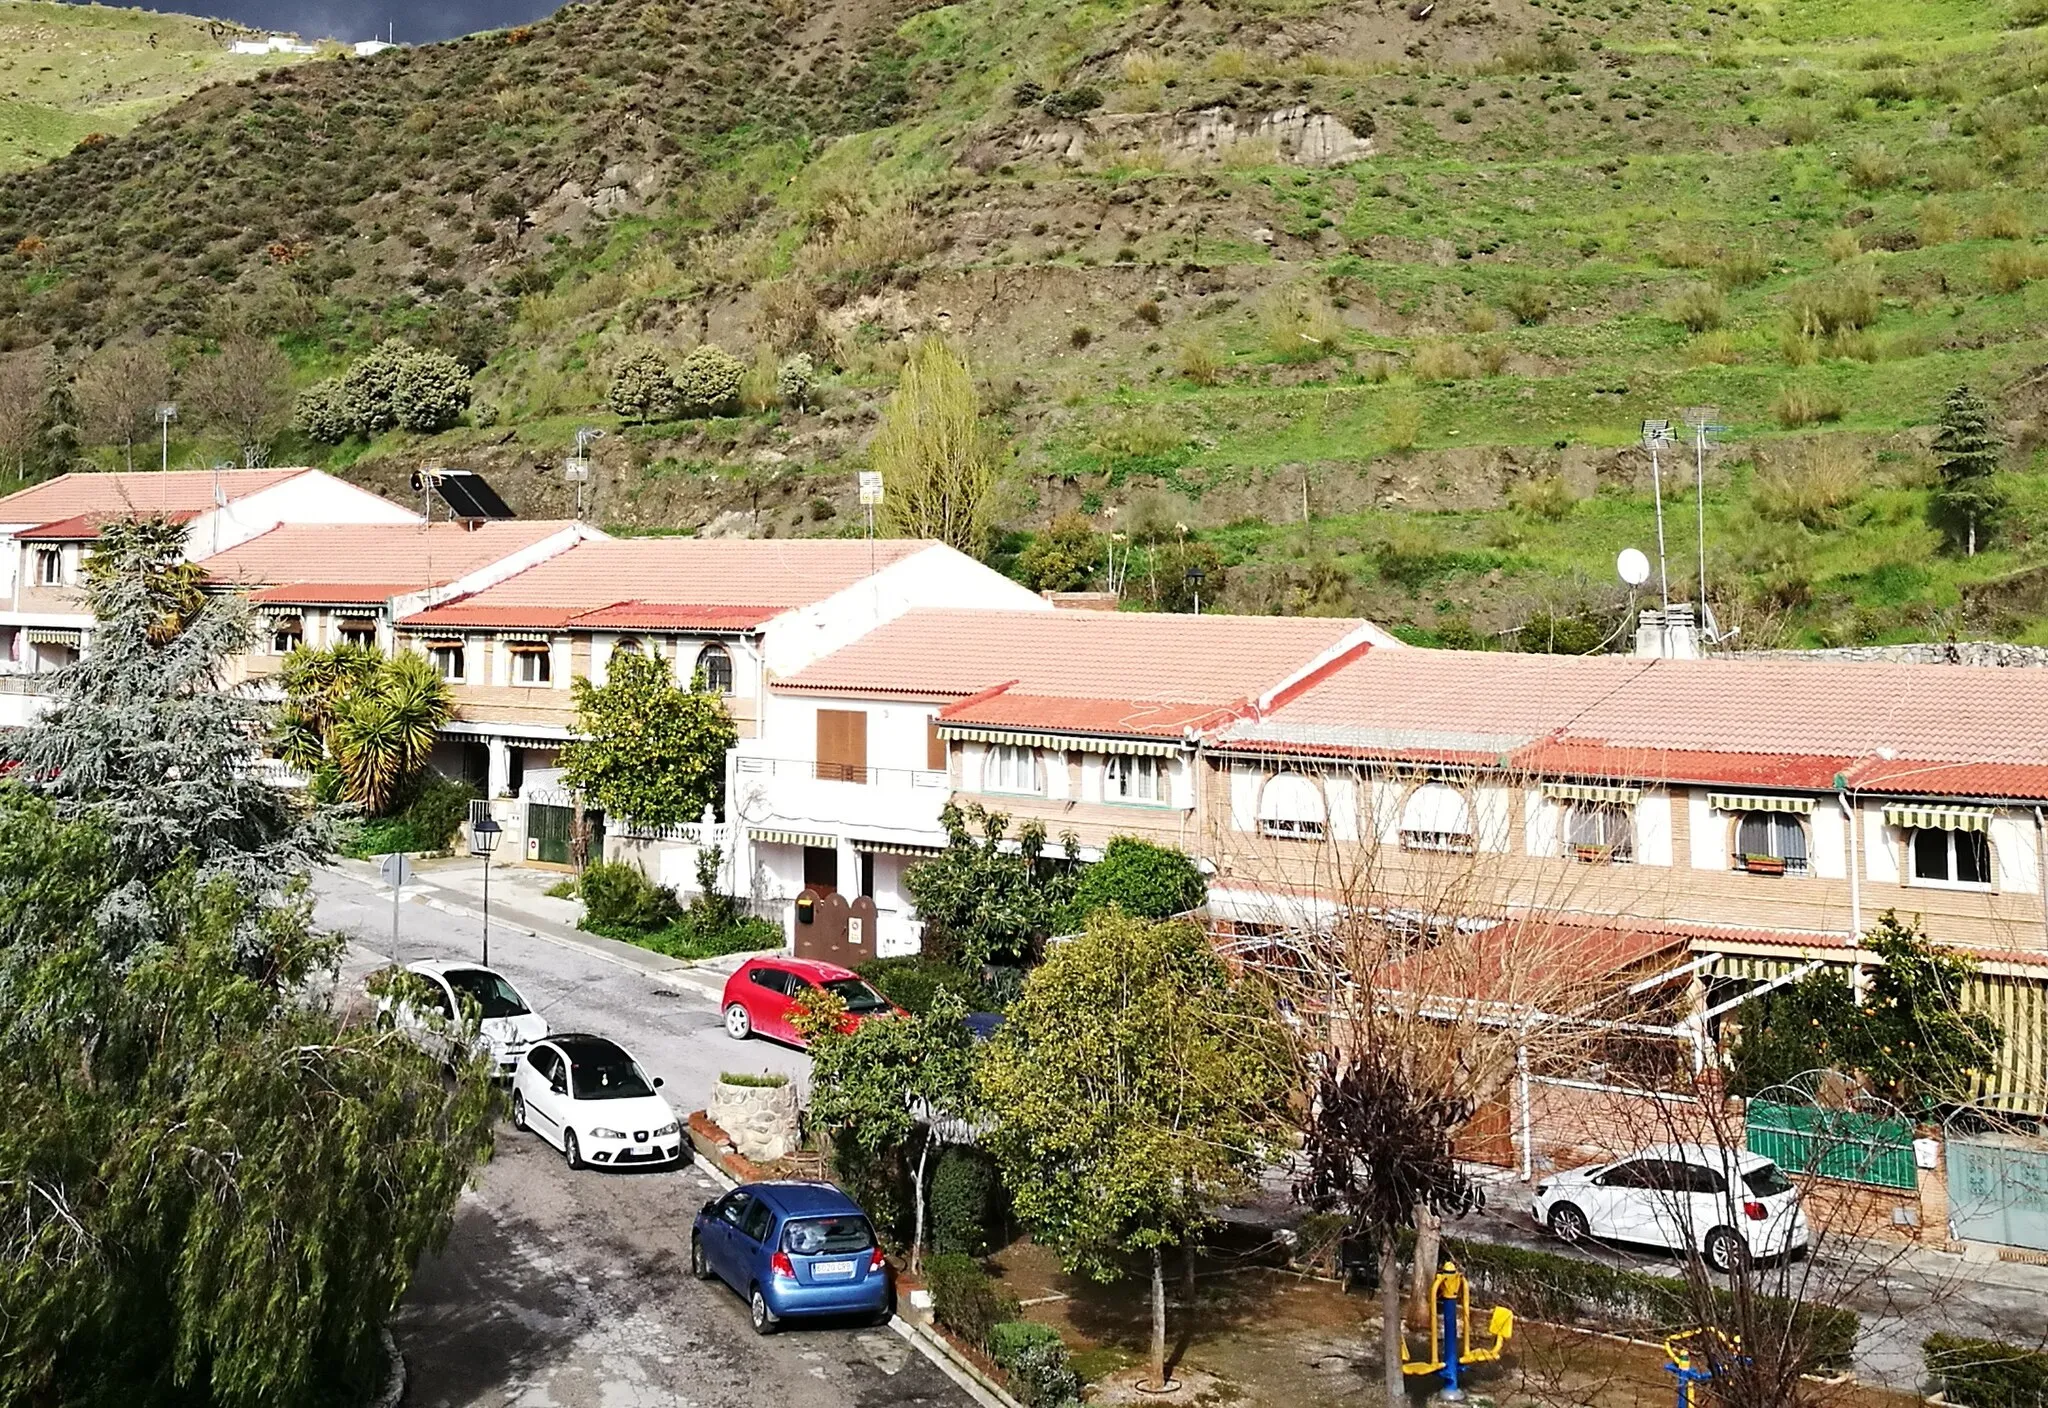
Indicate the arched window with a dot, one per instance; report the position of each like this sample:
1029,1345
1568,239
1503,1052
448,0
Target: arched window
1600,831
714,668
1770,843
1436,818
628,645
1291,805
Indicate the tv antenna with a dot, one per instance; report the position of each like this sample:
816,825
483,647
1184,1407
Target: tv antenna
870,497
576,469
1700,419
1655,433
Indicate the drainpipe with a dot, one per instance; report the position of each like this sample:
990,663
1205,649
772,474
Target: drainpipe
1855,895
2041,866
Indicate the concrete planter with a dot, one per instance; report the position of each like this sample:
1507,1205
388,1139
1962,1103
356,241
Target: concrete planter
760,1120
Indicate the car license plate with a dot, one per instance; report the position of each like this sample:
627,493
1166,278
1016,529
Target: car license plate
832,1268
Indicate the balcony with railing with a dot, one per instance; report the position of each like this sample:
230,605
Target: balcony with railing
839,794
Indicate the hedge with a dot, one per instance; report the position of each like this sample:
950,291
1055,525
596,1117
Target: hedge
965,1300
1987,1373
1568,1289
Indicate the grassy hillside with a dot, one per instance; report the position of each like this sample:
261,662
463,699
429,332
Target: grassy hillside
1371,306
68,71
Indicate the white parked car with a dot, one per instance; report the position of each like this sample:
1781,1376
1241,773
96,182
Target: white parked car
1728,1205
589,1098
506,1024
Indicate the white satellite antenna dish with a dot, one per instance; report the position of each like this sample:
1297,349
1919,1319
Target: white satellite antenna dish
1633,566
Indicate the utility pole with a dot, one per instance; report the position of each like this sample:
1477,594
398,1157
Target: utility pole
577,470
165,414
1655,433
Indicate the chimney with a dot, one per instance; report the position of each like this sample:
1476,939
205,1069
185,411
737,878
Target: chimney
1669,634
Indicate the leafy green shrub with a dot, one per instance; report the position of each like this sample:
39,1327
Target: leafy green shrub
1550,497
431,394
795,379
708,380
620,900
1739,268
370,386
1548,1286
1852,298
1529,303
1011,1338
643,390
1984,1373
1073,102
1035,1358
1873,168
965,1300
688,937
322,412
426,819
1148,881
963,1196
912,983
1063,558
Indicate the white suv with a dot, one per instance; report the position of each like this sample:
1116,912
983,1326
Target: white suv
1728,1205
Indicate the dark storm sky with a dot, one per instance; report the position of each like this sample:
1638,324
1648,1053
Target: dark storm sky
416,21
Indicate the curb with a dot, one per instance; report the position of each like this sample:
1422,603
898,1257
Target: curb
393,1391
975,1384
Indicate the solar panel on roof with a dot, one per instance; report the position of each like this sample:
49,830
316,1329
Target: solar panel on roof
468,495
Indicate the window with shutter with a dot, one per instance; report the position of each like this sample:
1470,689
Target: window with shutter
934,747
842,745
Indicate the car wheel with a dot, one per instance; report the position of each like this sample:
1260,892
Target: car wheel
1725,1251
1568,1224
739,1023
700,1265
759,1315
571,1155
519,1112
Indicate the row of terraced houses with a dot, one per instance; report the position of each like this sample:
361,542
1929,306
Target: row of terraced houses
1745,817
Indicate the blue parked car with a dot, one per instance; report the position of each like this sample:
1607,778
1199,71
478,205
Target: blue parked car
793,1249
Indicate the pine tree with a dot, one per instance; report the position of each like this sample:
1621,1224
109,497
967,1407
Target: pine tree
1967,499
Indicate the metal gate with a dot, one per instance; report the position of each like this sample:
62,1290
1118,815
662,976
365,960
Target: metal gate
1841,1144
1998,1188
550,833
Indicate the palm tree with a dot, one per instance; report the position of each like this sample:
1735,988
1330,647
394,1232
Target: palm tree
374,718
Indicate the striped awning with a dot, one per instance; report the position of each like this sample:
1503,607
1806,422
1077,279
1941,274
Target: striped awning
279,608
1592,792
1938,818
444,643
54,635
895,848
773,837
524,637
1023,739
1759,802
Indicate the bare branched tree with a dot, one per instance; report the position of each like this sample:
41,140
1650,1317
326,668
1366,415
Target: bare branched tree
118,389
244,391
24,395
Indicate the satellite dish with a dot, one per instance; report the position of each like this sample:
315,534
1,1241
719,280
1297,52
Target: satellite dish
1633,566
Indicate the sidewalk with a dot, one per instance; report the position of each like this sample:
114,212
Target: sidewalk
520,902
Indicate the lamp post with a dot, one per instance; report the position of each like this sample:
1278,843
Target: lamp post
483,839
1195,578
165,414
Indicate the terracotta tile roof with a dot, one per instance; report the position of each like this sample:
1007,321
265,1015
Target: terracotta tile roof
113,495
1085,670
368,561
85,527
746,575
1778,723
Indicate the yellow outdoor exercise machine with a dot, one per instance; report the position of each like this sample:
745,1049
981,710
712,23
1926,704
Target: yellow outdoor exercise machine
1692,1360
1450,1332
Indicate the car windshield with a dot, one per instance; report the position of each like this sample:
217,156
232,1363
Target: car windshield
857,995
609,1078
1766,1182
493,996
827,1236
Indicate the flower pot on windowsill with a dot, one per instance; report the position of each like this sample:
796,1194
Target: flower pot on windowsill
1764,865
1593,855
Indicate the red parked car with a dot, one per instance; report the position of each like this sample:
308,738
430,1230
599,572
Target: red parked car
759,996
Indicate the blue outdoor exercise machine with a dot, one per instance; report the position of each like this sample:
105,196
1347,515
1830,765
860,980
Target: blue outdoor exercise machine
1450,1332
1690,1366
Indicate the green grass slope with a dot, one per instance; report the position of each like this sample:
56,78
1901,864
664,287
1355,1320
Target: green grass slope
70,71
1369,306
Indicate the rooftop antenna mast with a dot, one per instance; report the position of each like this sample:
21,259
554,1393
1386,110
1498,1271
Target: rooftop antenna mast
870,497
1701,421
577,469
1655,433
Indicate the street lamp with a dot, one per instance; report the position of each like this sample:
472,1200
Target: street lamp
1195,576
165,414
483,839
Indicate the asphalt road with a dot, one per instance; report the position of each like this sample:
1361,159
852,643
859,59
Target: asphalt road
572,1290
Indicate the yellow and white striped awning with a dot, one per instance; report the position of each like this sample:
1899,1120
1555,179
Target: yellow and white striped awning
524,637
1079,743
53,635
772,837
895,848
1938,818
1592,792
1758,802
